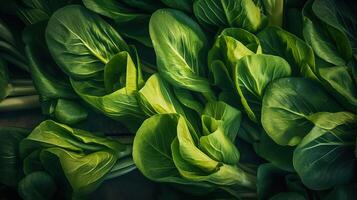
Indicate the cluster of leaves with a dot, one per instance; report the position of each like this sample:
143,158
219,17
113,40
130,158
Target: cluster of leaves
242,98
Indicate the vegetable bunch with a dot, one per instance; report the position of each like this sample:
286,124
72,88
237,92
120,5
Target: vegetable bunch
242,99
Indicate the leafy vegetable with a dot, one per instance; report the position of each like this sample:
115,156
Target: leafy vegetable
93,78
229,99
34,11
37,185
230,46
341,18
185,5
157,97
333,44
280,156
115,97
56,93
181,48
252,75
84,158
289,107
325,156
209,156
274,183
75,48
10,172
229,13
299,55
130,22
9,47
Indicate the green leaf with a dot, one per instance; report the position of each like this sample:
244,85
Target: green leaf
280,156
181,48
186,98
147,5
339,81
345,192
288,195
165,151
221,76
229,13
69,112
287,108
10,50
294,184
228,117
299,55
83,172
251,76
190,152
223,175
116,96
219,147
231,98
10,160
84,159
121,72
213,157
270,180
340,15
185,5
157,97
325,157
37,186
83,46
274,9
6,34
34,11
152,148
230,46
128,21
32,163
328,43
249,131
50,133
50,82
32,15
116,105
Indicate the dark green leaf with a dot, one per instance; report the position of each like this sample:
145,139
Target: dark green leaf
69,112
83,46
10,160
340,15
288,107
299,55
229,13
328,43
185,5
325,157
37,186
288,195
129,22
280,156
